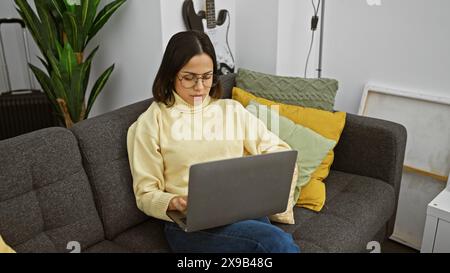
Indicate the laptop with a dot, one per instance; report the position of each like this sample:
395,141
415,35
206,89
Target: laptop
226,191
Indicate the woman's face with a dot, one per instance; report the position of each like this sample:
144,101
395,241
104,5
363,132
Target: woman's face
193,82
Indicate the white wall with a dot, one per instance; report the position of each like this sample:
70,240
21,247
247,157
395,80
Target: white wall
294,36
402,43
256,34
132,40
273,36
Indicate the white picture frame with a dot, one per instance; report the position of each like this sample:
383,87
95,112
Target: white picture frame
434,160
427,157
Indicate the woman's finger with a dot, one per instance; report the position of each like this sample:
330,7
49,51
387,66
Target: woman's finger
180,205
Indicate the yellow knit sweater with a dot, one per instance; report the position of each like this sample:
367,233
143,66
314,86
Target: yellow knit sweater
164,142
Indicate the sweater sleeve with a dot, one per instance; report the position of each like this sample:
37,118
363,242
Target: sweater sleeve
147,166
257,138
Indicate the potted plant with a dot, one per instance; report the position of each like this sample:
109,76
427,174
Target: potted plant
62,29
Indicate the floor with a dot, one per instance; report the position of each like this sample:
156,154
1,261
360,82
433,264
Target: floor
390,246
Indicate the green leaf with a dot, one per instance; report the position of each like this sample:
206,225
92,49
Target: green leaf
57,10
58,86
77,92
98,87
91,56
48,28
54,64
86,70
68,60
44,81
62,92
31,21
47,86
85,75
69,7
59,7
89,10
72,31
103,17
59,49
45,64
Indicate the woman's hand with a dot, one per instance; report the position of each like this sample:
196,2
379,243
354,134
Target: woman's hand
178,203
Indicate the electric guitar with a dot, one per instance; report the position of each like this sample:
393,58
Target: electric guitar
216,29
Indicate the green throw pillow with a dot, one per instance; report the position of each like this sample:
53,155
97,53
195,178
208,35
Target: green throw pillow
312,147
313,93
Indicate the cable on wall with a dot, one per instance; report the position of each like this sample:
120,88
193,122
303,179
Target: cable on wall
314,23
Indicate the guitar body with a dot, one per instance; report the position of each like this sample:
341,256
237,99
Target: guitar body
219,38
192,20
216,29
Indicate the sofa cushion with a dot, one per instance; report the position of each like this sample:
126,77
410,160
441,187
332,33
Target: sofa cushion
107,247
228,81
313,93
102,142
45,197
145,238
356,209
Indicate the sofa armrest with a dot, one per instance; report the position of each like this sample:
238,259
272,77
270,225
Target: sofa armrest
374,148
371,147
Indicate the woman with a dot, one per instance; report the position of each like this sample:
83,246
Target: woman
181,128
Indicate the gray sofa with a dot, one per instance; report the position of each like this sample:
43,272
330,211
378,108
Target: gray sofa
59,185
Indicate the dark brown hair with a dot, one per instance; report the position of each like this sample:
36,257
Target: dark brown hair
181,48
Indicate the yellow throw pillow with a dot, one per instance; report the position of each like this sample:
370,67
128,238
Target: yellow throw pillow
327,124
4,248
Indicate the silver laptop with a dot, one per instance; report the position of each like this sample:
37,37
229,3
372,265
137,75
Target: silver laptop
227,191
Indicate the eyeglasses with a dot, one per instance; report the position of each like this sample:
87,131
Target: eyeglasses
190,80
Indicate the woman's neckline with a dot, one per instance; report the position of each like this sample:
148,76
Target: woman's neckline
183,106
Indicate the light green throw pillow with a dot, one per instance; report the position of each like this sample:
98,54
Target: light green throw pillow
306,92
312,147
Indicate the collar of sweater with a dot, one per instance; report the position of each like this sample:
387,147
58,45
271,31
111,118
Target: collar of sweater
182,106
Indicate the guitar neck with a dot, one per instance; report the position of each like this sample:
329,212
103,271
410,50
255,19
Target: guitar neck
210,14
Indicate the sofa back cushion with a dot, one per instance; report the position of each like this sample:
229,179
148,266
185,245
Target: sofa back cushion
228,82
102,142
45,197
